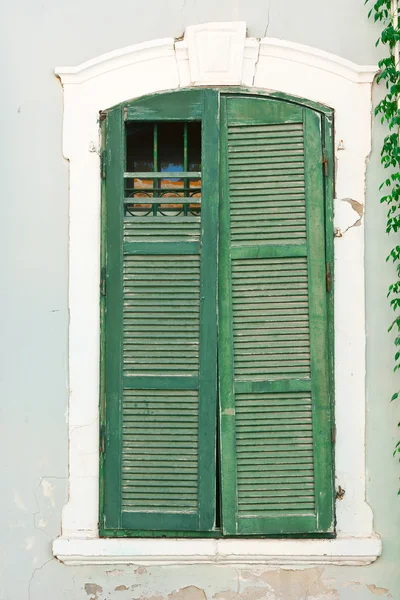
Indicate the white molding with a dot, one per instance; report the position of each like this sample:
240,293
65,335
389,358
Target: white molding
148,552
319,59
216,52
115,60
223,73
267,65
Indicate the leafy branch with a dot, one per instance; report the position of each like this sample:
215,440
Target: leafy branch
386,12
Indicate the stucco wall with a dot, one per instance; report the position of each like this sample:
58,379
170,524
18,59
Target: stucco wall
35,37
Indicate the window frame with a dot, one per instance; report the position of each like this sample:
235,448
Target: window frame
254,66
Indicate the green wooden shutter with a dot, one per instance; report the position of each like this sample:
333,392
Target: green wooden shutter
161,342
273,355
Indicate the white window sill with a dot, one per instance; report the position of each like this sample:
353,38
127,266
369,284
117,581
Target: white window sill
343,550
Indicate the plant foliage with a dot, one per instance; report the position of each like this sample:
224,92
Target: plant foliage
386,12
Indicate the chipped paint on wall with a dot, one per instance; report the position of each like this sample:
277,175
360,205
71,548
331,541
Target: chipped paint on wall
19,502
48,490
348,214
114,573
190,592
379,591
93,590
289,585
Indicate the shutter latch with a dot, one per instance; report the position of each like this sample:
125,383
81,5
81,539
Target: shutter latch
325,163
328,277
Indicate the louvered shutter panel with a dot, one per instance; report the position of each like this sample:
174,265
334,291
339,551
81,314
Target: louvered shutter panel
161,332
273,357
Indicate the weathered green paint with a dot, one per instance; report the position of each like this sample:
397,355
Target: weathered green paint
225,348
162,174
161,248
242,242
159,382
251,111
208,312
102,369
161,506
162,200
329,191
184,105
249,512
320,375
256,251
115,153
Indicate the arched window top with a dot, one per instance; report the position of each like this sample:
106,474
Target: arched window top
180,101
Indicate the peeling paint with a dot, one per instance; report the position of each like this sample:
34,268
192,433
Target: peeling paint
348,214
289,585
357,206
379,591
42,523
121,588
249,593
340,492
29,543
190,592
114,573
140,571
19,502
48,490
92,589
226,595
353,585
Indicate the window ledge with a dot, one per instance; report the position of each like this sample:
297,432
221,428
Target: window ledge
343,550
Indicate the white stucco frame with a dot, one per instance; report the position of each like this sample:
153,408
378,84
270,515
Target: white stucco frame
216,54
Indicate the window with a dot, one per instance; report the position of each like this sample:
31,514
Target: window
216,346
270,68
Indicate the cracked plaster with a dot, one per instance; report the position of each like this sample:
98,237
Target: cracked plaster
348,214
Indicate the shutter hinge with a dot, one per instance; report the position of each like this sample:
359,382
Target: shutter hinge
103,164
325,163
103,281
328,277
102,440
333,434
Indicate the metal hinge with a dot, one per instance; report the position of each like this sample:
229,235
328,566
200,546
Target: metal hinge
103,164
333,434
328,277
325,163
102,440
103,281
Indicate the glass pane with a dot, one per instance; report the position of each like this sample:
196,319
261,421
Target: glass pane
139,147
170,147
194,146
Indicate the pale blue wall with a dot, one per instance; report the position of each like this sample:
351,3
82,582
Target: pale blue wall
36,36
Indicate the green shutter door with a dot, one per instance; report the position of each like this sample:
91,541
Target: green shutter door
273,356
161,350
